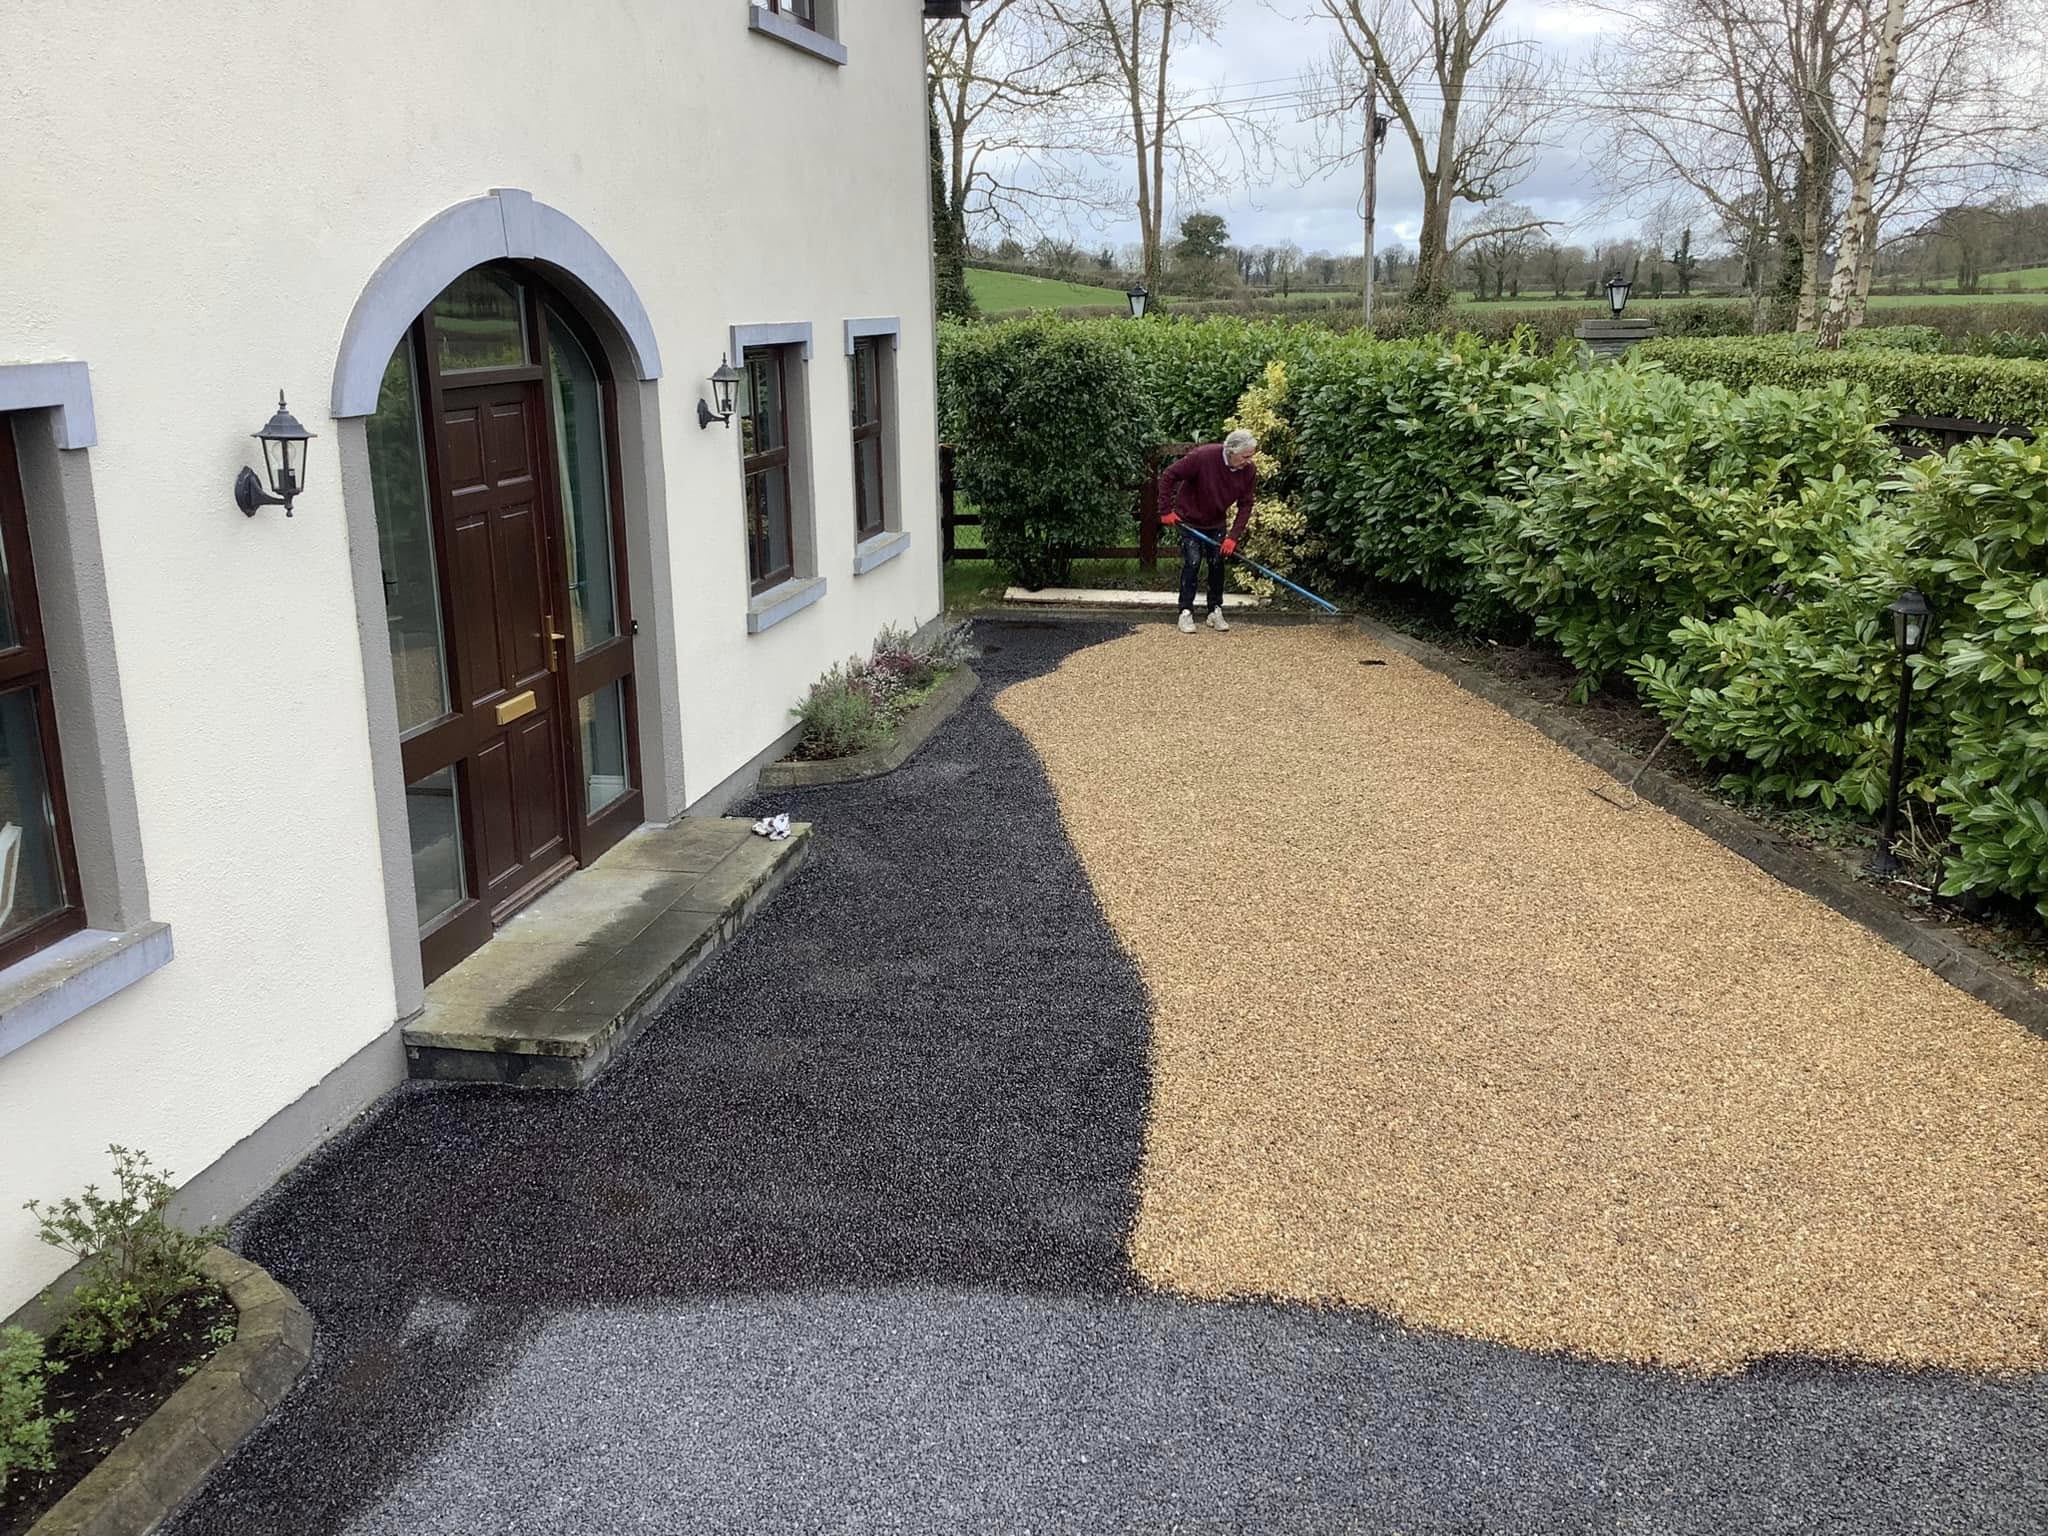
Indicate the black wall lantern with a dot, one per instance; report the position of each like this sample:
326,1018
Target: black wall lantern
284,461
1909,637
1617,293
1139,298
725,385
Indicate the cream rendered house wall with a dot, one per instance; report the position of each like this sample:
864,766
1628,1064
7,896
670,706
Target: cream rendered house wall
192,200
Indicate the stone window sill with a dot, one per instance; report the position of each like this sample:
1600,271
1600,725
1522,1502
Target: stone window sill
61,982
879,550
779,603
800,37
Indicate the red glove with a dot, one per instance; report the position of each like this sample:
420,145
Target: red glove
1169,520
1230,546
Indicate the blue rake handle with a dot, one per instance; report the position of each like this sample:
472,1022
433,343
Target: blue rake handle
1273,575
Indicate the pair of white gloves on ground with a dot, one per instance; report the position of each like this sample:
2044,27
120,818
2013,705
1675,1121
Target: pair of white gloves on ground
774,828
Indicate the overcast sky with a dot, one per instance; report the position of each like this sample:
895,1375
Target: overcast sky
1261,47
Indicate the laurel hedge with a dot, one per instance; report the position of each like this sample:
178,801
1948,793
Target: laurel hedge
2011,391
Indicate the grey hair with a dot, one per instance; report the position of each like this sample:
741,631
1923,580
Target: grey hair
1240,443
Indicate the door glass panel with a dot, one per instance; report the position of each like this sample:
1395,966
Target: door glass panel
479,321
586,486
432,808
10,632
405,548
603,717
31,873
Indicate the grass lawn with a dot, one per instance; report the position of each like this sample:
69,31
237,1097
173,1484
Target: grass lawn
1008,292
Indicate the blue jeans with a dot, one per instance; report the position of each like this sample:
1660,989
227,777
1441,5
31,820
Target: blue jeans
1193,551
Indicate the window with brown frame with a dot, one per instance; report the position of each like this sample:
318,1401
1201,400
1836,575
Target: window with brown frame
870,494
39,892
764,459
804,11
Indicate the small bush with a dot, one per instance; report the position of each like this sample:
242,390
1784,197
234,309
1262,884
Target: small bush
139,1271
858,703
25,1430
1052,420
841,716
1279,536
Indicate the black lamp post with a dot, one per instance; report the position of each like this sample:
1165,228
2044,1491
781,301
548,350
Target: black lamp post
725,383
1909,637
1139,298
1617,293
284,461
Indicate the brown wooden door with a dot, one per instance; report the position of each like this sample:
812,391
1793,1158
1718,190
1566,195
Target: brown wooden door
495,517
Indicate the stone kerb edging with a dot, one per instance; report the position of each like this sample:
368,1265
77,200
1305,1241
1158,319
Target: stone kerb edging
1950,956
172,1452
938,707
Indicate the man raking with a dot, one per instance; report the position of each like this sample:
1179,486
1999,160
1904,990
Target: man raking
1196,492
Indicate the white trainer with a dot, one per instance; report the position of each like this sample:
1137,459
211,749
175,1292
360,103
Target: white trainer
1216,621
1187,621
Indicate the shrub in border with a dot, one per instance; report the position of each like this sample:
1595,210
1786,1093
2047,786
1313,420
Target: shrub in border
1052,419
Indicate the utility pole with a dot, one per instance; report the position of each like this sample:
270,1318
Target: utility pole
1372,144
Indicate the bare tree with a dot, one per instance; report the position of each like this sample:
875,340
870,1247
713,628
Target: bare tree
1004,84
1499,241
1759,110
1859,230
1471,101
1194,141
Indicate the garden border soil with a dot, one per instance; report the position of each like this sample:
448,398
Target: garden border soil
173,1451
937,708
1957,961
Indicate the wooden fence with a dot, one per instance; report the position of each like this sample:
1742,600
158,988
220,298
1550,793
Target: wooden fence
1914,434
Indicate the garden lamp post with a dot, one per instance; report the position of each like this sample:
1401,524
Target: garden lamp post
1909,637
1617,294
1138,297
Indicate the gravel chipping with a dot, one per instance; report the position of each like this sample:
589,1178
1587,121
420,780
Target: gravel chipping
1437,1032
840,1246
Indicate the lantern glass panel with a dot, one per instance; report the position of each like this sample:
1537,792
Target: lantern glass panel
274,464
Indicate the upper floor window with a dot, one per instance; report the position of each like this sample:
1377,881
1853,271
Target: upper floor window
809,26
39,889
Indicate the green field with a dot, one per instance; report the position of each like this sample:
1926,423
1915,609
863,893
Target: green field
999,293
1992,285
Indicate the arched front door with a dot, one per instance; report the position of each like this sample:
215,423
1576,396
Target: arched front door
494,465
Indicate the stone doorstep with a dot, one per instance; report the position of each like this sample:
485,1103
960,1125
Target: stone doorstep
167,1456
571,981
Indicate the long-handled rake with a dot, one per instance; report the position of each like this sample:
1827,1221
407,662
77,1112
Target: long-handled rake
1612,793
1272,575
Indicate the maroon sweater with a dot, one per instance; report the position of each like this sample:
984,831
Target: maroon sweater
1201,488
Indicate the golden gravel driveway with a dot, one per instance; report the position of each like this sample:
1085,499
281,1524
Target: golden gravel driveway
1437,1032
